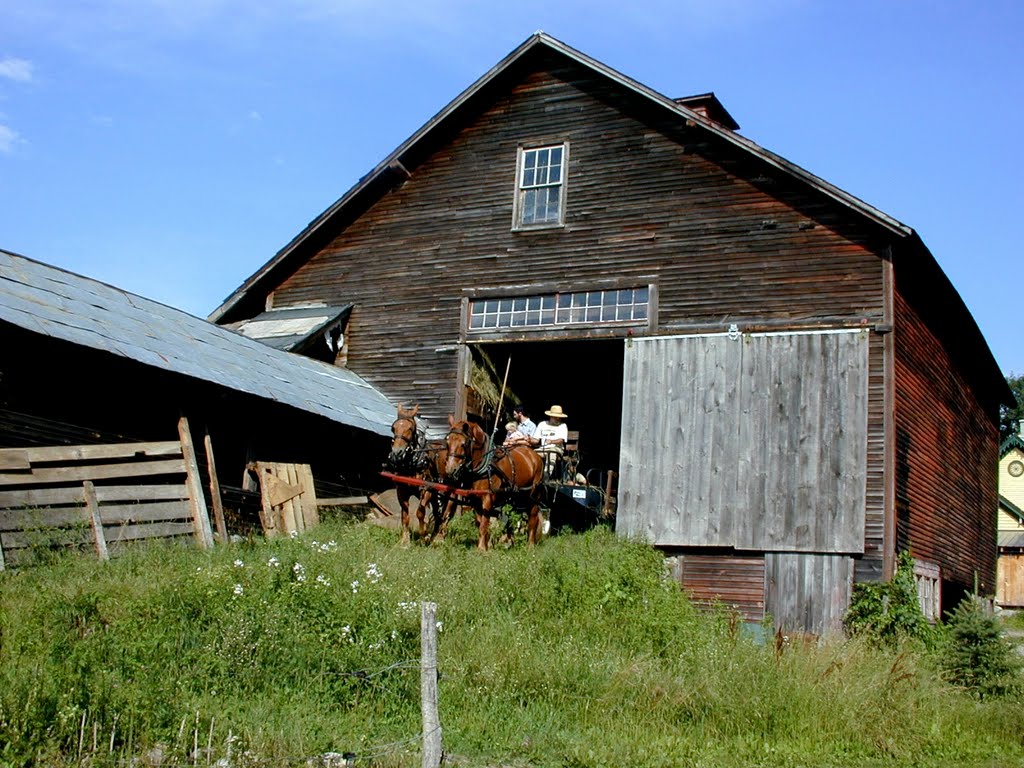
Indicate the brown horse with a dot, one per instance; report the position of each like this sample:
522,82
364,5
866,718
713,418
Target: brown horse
412,456
492,474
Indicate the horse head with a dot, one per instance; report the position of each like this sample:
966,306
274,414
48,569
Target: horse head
467,446
405,439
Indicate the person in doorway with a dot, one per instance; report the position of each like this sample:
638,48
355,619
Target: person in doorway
549,439
524,427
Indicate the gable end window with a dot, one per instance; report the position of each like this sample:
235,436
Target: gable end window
540,187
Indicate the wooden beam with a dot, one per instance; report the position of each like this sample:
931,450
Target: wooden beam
94,519
200,517
310,513
215,497
342,501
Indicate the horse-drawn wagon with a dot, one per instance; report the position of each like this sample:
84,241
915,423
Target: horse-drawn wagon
468,469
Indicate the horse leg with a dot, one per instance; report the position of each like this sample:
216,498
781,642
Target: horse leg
534,521
404,493
483,519
421,512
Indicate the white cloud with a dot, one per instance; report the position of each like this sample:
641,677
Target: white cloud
8,138
255,116
19,70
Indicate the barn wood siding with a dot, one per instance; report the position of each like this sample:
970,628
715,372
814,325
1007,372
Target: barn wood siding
1010,581
733,580
808,592
752,443
946,459
647,201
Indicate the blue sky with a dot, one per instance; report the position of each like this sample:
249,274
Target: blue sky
171,147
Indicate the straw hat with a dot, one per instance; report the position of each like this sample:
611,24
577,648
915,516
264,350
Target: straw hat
556,412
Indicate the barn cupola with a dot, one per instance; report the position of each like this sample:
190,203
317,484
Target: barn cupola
708,105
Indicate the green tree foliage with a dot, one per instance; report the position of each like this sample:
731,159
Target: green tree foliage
1010,418
888,613
977,656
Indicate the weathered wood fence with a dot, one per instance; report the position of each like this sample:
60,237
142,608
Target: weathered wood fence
103,495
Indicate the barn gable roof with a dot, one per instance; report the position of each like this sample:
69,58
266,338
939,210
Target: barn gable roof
247,299
1011,442
62,305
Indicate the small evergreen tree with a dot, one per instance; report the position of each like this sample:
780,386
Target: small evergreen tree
978,657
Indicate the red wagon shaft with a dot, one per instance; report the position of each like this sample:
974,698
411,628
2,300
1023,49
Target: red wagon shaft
441,487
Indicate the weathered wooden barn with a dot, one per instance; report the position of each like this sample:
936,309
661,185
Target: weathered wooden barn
788,385
87,364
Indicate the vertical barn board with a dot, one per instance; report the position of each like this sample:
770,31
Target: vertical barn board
310,512
756,443
808,592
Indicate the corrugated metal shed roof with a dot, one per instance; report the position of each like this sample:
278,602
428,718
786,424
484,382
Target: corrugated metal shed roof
290,327
1011,539
77,309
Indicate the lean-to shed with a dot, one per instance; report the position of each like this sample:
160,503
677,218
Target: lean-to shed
85,363
788,385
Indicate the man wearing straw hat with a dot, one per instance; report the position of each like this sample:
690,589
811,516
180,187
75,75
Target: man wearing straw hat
549,440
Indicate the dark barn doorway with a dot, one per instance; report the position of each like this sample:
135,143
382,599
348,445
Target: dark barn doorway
582,376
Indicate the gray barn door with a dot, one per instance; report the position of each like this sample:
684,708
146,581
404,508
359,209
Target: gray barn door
757,442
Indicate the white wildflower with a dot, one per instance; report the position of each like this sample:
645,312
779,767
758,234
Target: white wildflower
394,634
440,626
238,589
273,562
300,572
373,573
239,564
355,586
322,580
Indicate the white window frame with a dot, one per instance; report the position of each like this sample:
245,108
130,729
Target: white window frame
601,307
522,189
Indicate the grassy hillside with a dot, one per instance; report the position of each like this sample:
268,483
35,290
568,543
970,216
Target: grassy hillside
577,653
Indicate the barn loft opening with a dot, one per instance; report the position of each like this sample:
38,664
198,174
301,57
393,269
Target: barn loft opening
583,376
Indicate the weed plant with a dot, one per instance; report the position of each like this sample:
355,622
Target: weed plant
577,653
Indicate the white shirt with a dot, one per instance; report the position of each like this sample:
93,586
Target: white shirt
548,433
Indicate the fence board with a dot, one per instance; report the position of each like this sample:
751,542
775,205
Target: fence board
42,475
59,453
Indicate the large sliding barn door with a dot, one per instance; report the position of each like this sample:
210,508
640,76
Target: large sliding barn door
756,442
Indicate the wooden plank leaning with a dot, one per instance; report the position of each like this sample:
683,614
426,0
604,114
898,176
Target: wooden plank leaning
93,507
200,517
215,497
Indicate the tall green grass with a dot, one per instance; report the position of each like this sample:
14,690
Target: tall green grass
576,653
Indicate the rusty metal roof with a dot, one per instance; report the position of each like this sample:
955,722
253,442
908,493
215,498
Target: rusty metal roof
79,310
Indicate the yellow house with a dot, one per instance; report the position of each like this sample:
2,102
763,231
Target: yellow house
1010,579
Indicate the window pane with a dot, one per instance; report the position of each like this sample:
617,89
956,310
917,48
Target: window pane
519,304
529,205
640,295
593,314
565,300
534,302
476,321
547,316
528,178
594,299
505,305
555,174
529,159
640,312
505,319
542,158
533,317
491,306
548,301
556,155
608,298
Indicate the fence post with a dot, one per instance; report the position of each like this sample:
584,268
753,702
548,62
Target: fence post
428,686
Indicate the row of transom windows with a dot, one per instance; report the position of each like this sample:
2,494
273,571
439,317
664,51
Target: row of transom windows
627,305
